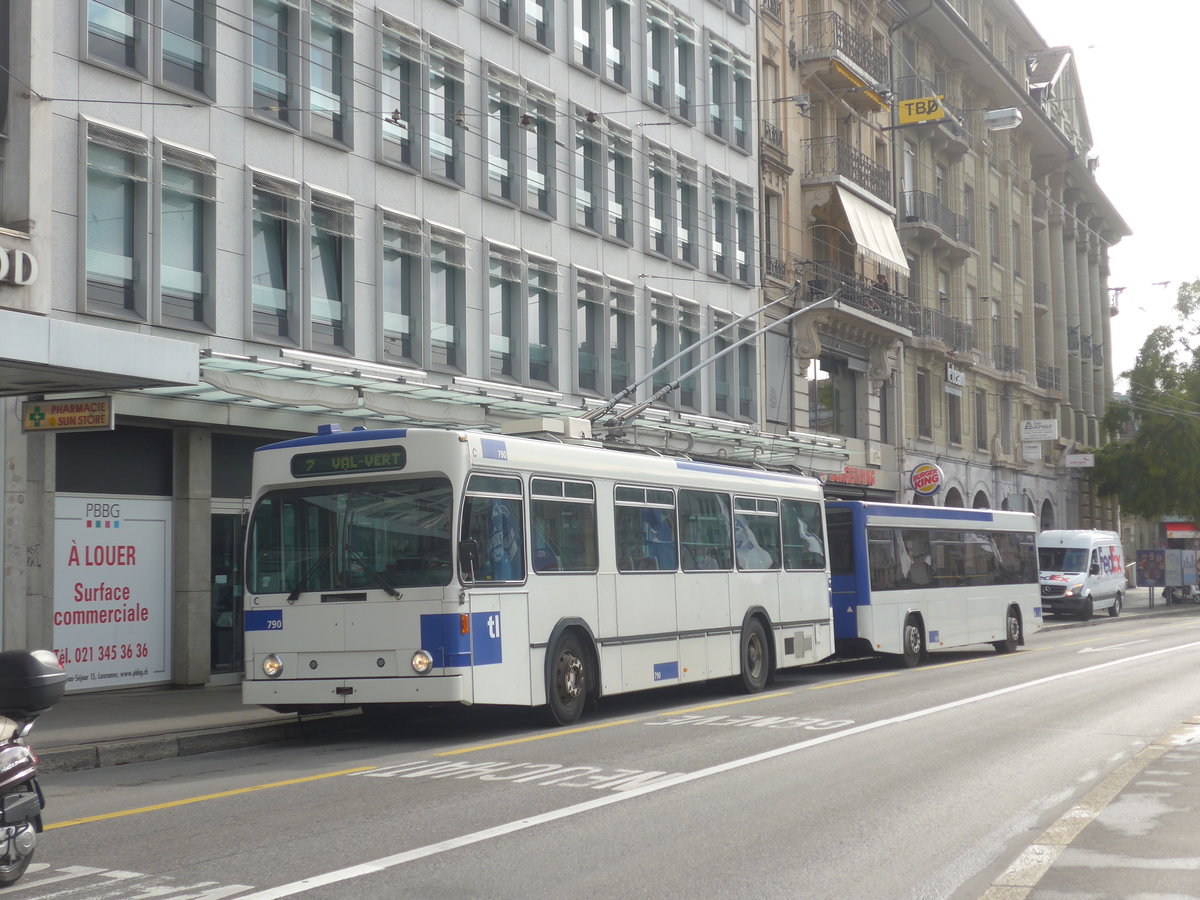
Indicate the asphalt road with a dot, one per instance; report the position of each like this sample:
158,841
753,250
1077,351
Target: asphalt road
847,780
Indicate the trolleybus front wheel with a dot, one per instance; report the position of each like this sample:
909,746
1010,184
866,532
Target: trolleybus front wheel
567,681
912,644
756,658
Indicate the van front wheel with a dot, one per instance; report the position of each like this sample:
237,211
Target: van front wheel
1086,611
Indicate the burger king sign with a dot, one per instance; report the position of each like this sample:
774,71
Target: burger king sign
926,479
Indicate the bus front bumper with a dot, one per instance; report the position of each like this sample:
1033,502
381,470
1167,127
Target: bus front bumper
354,691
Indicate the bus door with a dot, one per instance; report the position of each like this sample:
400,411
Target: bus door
849,588
647,550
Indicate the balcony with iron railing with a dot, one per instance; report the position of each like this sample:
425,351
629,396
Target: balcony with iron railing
773,8
829,37
933,324
1049,378
775,268
772,134
820,279
932,218
1006,358
830,159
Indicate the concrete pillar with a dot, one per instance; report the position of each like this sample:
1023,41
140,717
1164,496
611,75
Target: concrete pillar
27,586
1086,303
191,648
1058,306
1074,392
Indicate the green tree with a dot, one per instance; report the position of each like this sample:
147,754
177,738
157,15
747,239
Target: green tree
1153,468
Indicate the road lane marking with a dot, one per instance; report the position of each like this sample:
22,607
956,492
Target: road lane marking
1113,646
220,794
569,731
388,862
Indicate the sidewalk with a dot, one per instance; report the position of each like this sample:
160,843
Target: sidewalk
105,729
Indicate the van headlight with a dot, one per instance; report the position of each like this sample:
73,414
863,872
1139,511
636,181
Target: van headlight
422,662
272,666
1073,590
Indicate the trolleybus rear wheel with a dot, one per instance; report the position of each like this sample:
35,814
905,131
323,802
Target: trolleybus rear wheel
756,658
1012,632
568,680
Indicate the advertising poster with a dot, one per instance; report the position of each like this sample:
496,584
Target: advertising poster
112,590
1151,568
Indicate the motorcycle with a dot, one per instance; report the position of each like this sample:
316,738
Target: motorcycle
31,681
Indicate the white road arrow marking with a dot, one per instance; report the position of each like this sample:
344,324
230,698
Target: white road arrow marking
1113,646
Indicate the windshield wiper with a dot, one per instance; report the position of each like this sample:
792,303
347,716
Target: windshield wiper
310,573
376,576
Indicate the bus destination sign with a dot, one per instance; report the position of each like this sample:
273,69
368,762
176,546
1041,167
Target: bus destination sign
355,461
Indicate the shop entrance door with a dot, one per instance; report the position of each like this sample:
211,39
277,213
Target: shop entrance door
226,577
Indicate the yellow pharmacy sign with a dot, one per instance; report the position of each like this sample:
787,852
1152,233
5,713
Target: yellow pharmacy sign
76,414
922,109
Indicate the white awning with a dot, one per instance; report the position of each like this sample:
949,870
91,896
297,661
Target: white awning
874,231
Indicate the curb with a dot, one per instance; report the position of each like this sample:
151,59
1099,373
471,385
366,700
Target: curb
74,758
1145,614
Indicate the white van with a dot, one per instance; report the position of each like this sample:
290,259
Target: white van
1081,572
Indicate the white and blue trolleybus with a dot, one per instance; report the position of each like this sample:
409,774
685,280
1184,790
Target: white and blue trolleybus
415,566
910,579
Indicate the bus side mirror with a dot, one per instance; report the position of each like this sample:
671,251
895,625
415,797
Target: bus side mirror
468,557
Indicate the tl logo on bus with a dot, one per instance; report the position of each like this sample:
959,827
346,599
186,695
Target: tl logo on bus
926,479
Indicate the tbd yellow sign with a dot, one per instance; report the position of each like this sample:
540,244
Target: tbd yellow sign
78,414
922,109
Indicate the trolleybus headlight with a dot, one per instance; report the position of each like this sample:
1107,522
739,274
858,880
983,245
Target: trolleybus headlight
272,666
422,662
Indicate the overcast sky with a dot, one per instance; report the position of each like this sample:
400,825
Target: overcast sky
1136,66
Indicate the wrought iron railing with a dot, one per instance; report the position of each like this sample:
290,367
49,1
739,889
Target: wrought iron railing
772,134
925,321
1006,358
822,279
1049,378
827,158
776,268
825,34
920,206
773,8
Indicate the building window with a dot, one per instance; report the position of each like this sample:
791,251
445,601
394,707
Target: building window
619,193
687,215
187,236
685,72
924,414
331,270
116,33
735,373
658,54
662,197
188,35
777,393
603,317
729,94
330,70
689,337
503,114
401,85
116,221
445,98
275,257
994,231
542,323
1017,256
969,214
447,297
832,396
504,309
981,423
276,44
742,99
532,19
520,142
602,37
954,416
403,314
744,213
663,343
589,172
722,229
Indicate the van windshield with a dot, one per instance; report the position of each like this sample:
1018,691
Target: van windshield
1062,559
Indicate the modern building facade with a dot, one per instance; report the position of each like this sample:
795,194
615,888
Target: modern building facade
236,220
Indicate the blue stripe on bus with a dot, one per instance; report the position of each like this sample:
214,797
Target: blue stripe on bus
441,635
667,671
338,437
263,620
687,465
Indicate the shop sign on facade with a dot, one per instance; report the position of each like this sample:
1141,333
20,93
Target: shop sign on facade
17,267
1039,430
926,479
76,414
112,590
1080,460
856,475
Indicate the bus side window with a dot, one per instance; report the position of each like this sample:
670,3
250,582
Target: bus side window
496,525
